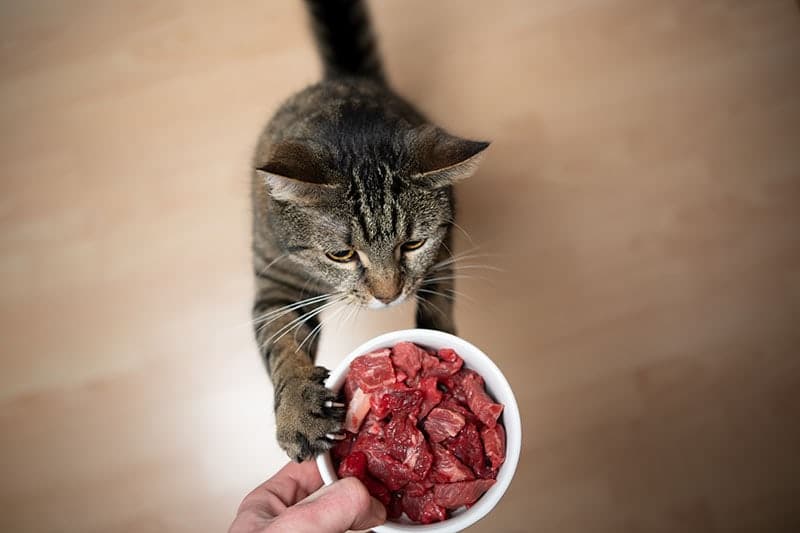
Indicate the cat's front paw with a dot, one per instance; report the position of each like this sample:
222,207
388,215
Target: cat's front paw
307,414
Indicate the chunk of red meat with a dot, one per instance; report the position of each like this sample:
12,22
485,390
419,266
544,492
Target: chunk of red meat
418,488
449,355
443,423
422,460
449,402
400,376
467,446
423,508
407,444
372,371
454,495
354,465
431,396
455,383
407,357
397,399
468,387
413,382
357,410
432,366
484,408
369,444
388,470
446,467
494,444
373,425
381,462
377,489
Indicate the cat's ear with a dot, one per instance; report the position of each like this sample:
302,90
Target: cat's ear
295,173
444,159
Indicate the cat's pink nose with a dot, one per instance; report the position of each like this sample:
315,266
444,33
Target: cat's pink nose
388,297
385,286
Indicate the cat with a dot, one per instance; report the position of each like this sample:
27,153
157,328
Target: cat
352,204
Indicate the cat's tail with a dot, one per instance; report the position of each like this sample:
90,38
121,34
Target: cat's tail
344,37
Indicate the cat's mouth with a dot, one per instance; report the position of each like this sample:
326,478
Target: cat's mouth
374,303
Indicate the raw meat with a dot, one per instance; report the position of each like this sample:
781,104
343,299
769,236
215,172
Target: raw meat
443,423
421,432
494,444
446,467
357,410
453,495
423,508
467,446
407,357
396,398
355,464
432,366
468,387
372,371
431,395
407,444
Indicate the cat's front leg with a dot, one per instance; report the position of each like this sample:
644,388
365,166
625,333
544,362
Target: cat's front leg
307,415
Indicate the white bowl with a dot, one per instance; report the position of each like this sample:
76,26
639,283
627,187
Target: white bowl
497,387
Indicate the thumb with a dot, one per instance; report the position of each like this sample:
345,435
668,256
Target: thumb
343,505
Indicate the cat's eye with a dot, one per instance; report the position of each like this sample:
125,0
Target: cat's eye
341,256
412,245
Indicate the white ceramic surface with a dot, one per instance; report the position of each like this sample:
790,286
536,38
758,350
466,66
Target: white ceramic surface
496,385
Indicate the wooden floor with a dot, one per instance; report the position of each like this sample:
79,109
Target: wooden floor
642,197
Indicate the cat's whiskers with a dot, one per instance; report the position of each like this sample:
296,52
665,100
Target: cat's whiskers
455,256
451,296
430,305
430,281
462,230
318,327
461,256
299,321
290,307
456,261
478,266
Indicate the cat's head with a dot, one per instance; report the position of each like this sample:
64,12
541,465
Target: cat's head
366,218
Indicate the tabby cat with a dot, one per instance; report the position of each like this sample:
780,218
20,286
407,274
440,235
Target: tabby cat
352,204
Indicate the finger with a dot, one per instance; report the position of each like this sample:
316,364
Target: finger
343,505
289,485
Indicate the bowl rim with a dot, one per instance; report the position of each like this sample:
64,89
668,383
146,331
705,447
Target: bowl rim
501,388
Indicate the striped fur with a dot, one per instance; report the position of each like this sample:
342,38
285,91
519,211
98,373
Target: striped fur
345,164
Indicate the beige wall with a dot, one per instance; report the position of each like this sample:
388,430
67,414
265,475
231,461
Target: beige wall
641,197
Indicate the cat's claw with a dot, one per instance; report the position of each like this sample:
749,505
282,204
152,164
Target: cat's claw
307,415
336,436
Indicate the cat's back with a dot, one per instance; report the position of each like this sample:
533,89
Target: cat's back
339,110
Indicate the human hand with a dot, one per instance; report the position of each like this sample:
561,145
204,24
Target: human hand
292,501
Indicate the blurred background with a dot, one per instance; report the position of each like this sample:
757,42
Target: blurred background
642,198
